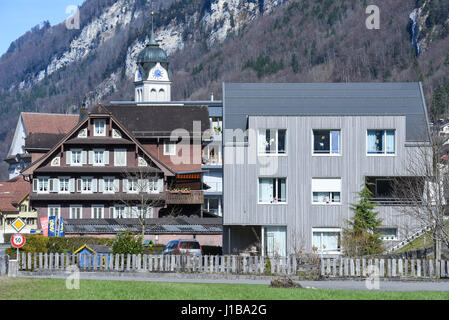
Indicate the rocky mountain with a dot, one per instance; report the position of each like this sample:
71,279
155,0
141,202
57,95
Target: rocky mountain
55,69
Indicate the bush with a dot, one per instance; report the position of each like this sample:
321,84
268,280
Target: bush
127,243
36,243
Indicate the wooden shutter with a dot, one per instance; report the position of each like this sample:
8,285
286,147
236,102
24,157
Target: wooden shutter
106,157
160,185
125,185
101,185
68,155
116,185
72,185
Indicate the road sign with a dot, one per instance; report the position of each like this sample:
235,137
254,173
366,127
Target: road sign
18,224
18,240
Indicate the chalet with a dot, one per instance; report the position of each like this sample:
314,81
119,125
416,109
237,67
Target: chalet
130,165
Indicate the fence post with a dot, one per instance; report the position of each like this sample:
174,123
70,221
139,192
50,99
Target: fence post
401,270
382,268
351,266
24,261
431,269
323,273
216,264
334,267
357,267
412,268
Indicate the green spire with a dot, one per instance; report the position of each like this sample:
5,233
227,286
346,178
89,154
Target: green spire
152,37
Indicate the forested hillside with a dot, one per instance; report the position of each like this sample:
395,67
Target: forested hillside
53,69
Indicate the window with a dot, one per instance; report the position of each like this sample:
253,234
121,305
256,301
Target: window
120,212
326,240
326,142
384,188
76,157
213,205
64,185
169,148
216,125
30,221
99,127
98,157
326,191
272,141
275,241
86,185
132,185
43,185
272,190
97,212
388,234
120,157
54,211
76,212
108,184
381,142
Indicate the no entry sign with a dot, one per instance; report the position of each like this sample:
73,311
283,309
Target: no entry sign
17,240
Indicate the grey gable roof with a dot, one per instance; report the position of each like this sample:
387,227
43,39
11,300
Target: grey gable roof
241,100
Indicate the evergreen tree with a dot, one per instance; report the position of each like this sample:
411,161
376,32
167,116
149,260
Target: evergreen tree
360,237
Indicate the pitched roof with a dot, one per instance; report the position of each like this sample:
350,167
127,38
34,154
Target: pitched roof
12,192
241,100
156,120
99,110
44,141
49,122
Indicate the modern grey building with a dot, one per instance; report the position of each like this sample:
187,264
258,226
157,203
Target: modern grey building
295,154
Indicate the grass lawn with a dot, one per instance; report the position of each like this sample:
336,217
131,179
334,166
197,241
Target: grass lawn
54,289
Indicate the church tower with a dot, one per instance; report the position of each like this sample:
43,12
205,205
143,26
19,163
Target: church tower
152,82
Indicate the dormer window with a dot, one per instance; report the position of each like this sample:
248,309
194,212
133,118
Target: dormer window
169,148
100,127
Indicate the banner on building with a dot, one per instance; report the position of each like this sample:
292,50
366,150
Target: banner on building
61,227
44,224
52,226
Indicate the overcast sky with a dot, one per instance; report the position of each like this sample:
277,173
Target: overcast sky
19,16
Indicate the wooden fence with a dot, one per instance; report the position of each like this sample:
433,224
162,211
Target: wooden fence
291,265
385,268
160,263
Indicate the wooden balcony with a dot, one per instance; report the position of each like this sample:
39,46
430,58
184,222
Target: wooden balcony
185,197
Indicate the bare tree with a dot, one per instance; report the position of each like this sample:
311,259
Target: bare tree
423,194
143,189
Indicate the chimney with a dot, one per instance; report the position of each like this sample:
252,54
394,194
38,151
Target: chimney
83,113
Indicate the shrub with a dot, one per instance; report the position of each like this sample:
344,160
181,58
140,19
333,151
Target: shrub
36,243
127,243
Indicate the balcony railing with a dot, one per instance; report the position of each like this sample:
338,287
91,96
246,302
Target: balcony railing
394,201
185,197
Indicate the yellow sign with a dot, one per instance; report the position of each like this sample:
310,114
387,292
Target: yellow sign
18,224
